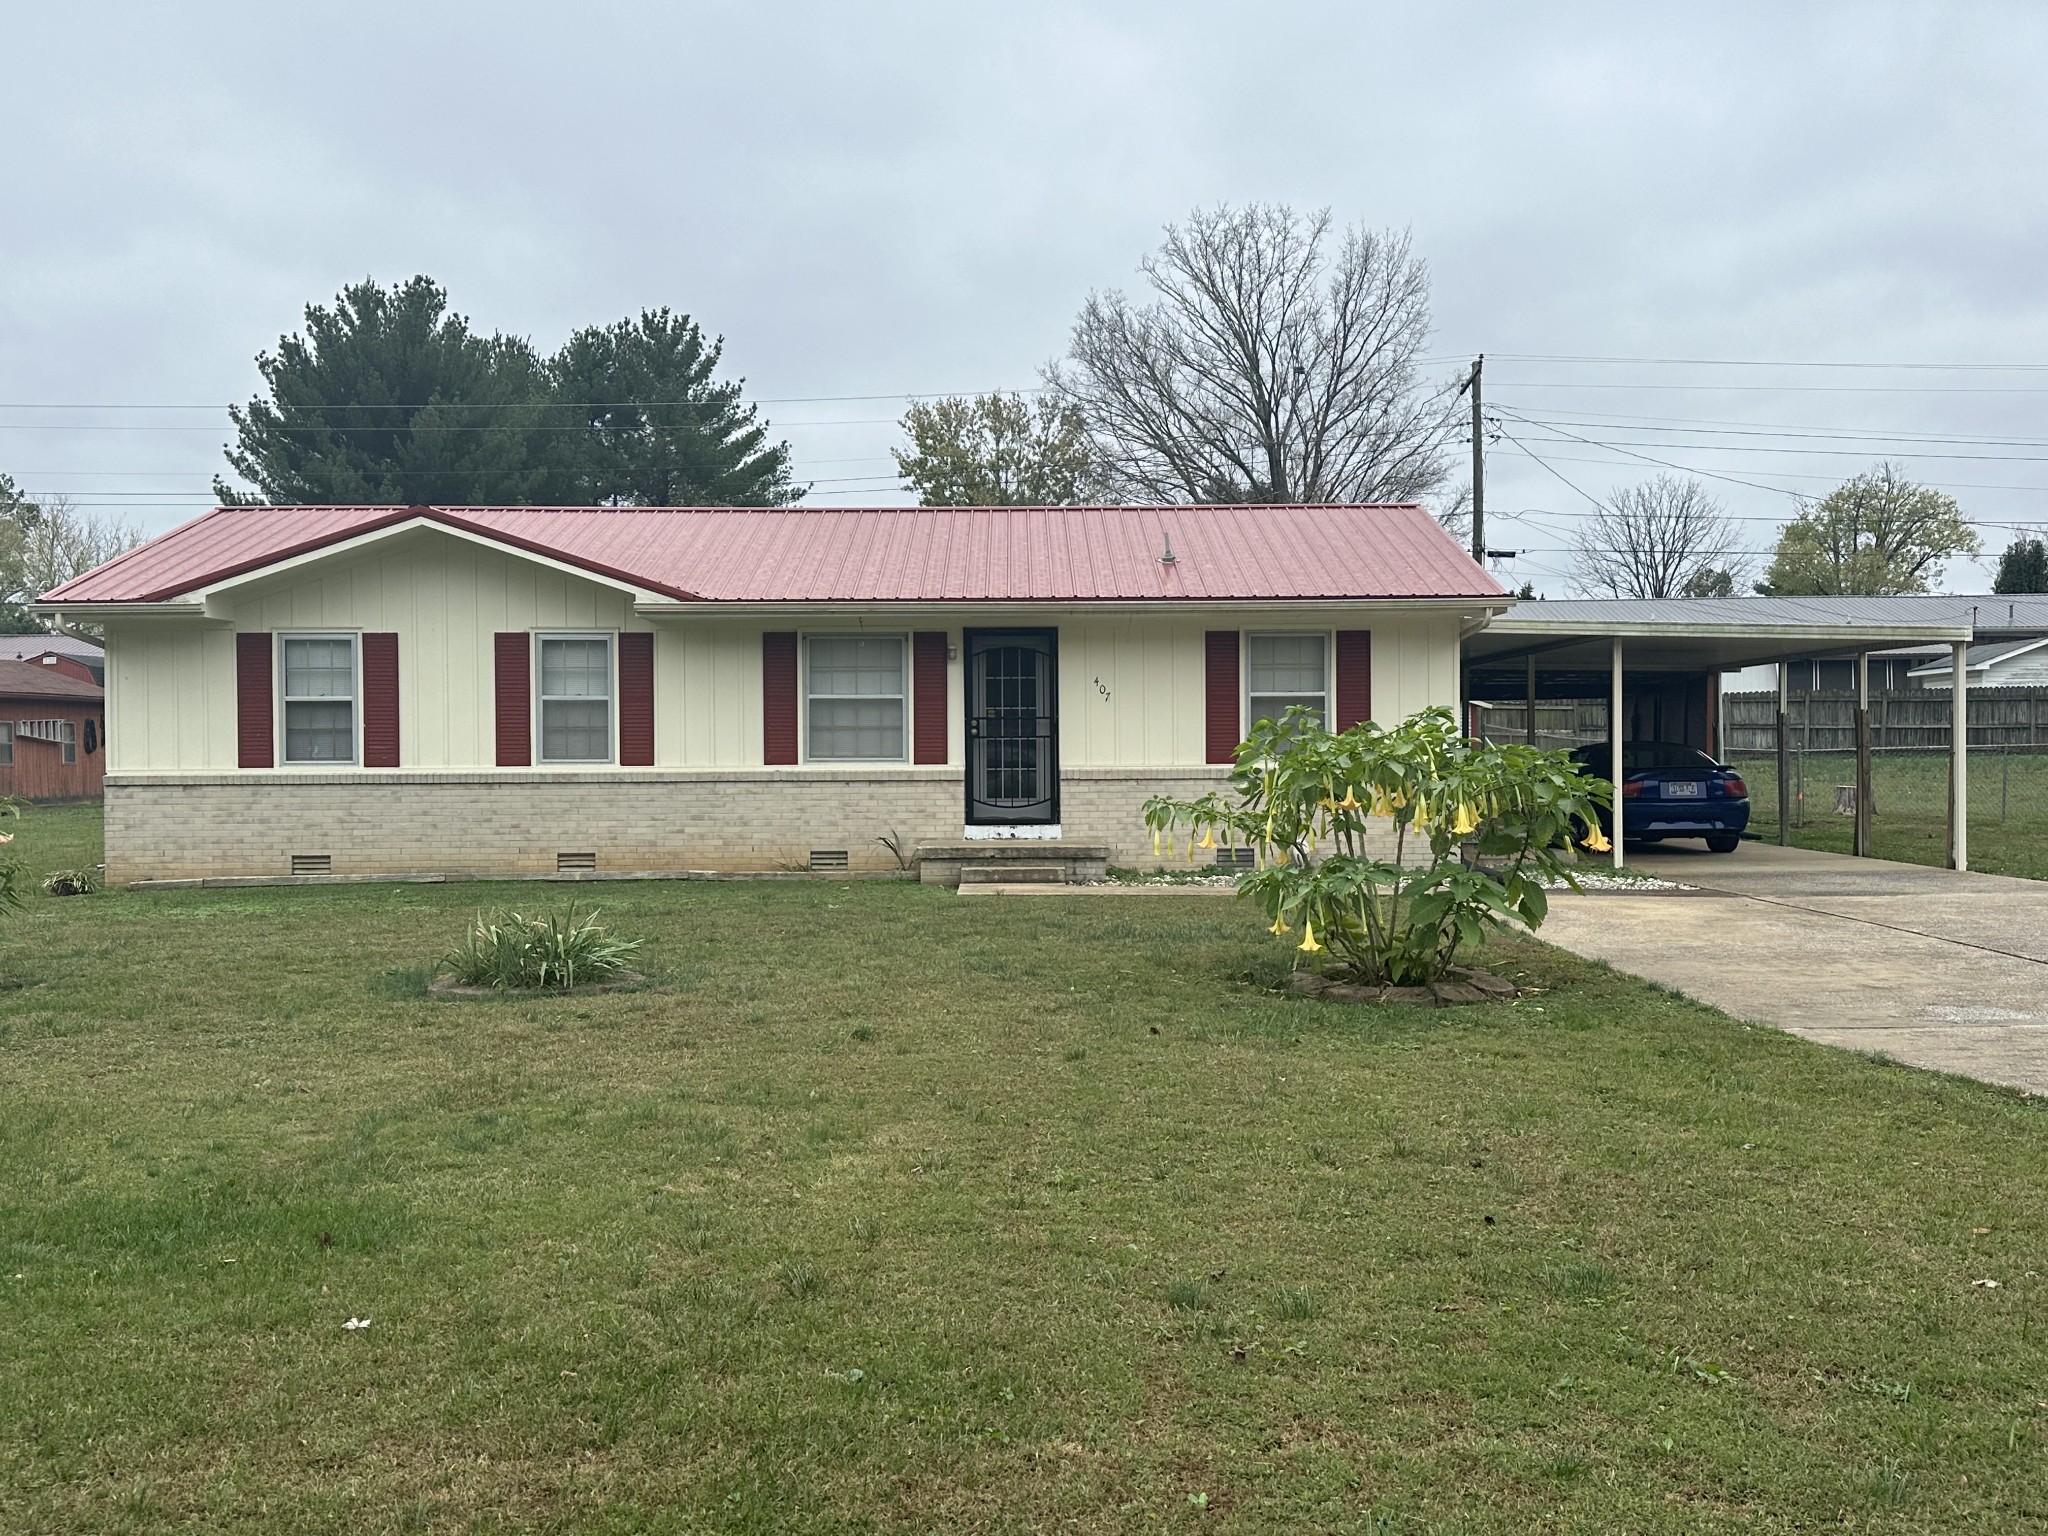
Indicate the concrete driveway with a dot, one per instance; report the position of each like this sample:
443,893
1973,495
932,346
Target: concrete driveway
1929,967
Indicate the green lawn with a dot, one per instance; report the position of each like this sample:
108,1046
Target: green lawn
887,1210
2008,807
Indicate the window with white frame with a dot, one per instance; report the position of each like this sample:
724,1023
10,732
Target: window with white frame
319,694
1282,671
6,743
575,698
67,741
855,698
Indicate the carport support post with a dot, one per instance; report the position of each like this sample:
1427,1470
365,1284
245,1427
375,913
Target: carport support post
1959,762
1614,751
1532,699
1784,757
1860,844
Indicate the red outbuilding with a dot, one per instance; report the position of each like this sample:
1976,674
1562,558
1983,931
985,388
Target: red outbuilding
53,729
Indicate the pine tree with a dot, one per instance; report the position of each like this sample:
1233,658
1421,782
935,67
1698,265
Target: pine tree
388,398
654,425
2022,568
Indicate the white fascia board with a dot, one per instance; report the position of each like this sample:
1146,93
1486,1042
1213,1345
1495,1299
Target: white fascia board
97,612
1477,608
376,536
1842,636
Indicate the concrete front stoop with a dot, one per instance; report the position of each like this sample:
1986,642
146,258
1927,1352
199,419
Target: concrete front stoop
1011,863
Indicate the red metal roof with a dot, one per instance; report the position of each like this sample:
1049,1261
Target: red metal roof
862,554
32,680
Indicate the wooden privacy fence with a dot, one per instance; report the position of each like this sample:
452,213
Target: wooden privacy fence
1559,722
2013,719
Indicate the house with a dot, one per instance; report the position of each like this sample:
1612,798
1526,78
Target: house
2002,664
68,654
52,733
520,691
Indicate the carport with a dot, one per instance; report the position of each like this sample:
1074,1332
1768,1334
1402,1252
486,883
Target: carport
1658,664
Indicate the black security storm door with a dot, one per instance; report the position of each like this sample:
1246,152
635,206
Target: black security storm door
1012,727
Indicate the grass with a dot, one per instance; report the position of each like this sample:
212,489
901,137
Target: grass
2008,807
883,1210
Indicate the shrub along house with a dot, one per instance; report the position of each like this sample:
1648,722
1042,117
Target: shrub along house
384,691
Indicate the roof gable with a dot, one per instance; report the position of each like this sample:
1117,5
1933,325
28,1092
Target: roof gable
31,680
1981,658
910,554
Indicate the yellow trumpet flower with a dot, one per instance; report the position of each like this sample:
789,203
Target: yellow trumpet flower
1596,840
1350,800
1155,845
1279,926
1466,821
1208,838
1308,943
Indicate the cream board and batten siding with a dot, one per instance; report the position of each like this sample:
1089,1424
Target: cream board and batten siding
171,694
1152,668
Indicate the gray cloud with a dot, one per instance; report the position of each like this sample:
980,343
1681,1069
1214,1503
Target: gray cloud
916,197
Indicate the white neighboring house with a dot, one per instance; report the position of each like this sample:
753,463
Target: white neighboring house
2006,664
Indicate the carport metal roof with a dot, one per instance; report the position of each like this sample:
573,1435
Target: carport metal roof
1722,634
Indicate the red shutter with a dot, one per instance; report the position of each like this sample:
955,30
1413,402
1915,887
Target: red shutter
1354,677
928,692
380,701
778,698
1222,711
636,699
515,700
255,722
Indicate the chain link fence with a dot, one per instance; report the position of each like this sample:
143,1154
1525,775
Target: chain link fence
1909,768
2007,762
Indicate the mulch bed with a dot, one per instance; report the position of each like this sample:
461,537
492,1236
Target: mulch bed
1461,985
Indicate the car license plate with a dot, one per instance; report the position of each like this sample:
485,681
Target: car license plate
1684,789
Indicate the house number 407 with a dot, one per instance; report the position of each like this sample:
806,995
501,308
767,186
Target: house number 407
1102,688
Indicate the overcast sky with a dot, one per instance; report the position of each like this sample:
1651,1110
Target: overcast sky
892,199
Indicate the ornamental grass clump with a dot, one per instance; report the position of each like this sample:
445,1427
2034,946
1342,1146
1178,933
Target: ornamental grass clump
1310,804
511,951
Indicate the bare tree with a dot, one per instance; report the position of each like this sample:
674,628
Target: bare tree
1263,370
1664,538
45,541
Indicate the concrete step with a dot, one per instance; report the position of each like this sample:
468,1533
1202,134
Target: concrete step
1013,874
1000,861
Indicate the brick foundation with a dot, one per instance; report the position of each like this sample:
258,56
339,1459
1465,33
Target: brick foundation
516,823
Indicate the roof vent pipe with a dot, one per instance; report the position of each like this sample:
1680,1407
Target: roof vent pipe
1169,558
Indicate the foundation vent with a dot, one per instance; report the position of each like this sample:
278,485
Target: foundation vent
312,863
828,858
565,862
1235,859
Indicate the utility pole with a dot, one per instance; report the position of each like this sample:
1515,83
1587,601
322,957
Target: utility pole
1478,464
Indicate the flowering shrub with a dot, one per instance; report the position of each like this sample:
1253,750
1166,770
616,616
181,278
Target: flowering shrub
1303,800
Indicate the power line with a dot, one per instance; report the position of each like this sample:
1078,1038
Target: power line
1793,474
1754,362
1788,389
1663,463
1824,453
1764,429
408,428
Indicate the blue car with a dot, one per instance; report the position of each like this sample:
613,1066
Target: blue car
1668,790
